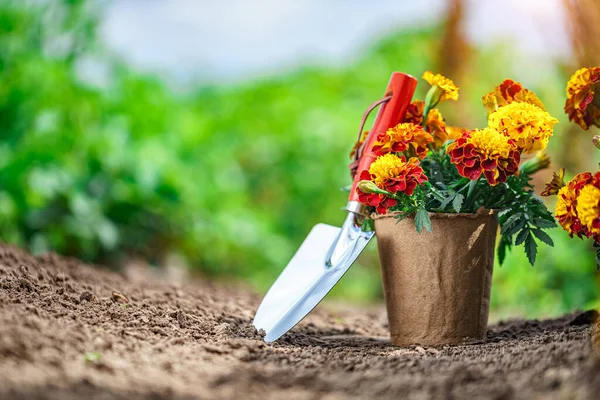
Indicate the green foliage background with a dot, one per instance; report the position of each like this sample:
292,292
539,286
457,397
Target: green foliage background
230,177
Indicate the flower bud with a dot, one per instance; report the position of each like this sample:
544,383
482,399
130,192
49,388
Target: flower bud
539,162
596,141
368,187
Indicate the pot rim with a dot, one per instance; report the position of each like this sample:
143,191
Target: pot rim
482,212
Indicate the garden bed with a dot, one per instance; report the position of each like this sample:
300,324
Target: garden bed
72,331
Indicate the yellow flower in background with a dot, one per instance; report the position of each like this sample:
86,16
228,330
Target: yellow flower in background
445,88
582,106
588,209
508,92
528,125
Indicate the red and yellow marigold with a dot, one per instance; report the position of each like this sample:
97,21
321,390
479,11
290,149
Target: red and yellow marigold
407,138
566,205
507,92
527,125
393,174
588,207
582,105
435,124
485,151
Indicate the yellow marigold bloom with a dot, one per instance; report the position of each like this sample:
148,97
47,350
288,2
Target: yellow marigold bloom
409,139
447,90
588,209
528,125
582,105
490,143
386,167
507,92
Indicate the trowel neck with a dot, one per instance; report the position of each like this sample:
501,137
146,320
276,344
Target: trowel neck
355,207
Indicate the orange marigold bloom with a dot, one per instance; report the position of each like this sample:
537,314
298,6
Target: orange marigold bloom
435,124
582,106
566,205
409,139
393,174
507,92
485,151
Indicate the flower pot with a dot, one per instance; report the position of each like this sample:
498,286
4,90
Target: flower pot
437,284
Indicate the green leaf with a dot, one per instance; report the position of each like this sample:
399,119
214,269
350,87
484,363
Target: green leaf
543,236
446,201
521,237
544,223
472,185
514,229
368,225
598,259
502,247
531,248
422,220
457,202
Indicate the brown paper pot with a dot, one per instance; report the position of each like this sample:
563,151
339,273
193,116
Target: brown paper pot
437,284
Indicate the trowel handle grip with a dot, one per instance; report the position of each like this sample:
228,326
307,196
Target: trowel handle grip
401,88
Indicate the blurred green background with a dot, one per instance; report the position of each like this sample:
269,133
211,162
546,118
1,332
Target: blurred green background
230,177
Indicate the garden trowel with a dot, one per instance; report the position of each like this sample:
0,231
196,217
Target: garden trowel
328,251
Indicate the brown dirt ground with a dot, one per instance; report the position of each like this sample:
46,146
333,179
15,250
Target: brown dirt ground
64,334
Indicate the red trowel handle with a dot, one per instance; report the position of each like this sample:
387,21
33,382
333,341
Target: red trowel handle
401,88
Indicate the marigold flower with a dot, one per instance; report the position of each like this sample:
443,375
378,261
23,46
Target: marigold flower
485,151
359,143
435,124
507,92
392,174
588,208
406,138
528,125
557,183
566,205
582,106
445,88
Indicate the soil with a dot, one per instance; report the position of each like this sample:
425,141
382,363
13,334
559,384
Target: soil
70,331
